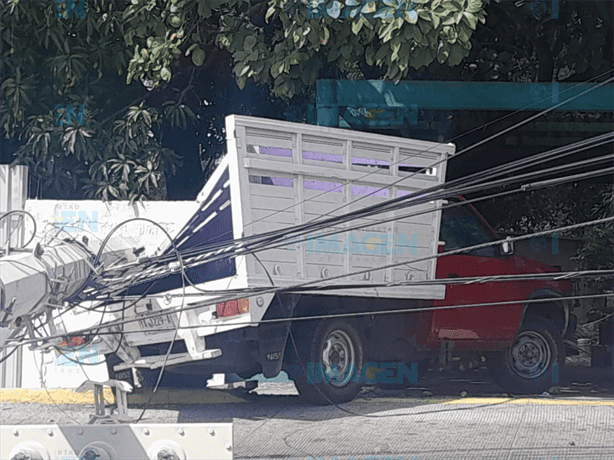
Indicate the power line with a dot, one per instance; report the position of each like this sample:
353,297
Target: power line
423,195
316,283
359,313
292,230
208,292
392,205
510,167
242,250
224,295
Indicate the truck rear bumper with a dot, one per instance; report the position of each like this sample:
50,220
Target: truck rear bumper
236,356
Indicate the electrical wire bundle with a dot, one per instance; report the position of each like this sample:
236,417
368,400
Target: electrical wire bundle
218,296
117,279
208,253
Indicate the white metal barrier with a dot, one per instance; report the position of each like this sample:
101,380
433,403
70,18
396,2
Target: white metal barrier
13,194
189,441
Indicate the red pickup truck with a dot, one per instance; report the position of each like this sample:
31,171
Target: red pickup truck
526,338
521,341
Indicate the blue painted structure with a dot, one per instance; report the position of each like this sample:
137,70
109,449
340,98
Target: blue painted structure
335,95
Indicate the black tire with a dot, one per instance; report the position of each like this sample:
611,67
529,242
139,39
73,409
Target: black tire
319,382
527,367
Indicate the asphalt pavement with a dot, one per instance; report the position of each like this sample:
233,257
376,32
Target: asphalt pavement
430,421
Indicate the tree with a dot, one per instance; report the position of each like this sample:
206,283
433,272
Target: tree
59,71
569,204
60,64
597,253
534,40
89,93
288,43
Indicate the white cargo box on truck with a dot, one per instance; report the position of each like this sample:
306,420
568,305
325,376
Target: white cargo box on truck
277,175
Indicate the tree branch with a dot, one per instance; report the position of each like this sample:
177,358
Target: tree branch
504,45
187,88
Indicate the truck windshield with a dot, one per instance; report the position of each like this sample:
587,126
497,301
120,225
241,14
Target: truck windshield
460,228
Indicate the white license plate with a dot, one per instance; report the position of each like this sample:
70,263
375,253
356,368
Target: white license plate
151,324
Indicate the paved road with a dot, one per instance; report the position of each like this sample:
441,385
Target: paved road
280,427
423,423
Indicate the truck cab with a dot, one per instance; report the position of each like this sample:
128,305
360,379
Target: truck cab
522,336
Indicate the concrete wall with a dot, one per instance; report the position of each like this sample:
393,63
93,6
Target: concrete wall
96,219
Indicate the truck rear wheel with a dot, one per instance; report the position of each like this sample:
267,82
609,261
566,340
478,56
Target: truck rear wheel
332,357
527,367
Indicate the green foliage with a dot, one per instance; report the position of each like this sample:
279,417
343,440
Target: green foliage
289,50
286,44
112,151
303,37
565,205
597,253
529,41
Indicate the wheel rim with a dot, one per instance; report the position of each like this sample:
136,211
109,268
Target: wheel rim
530,355
339,358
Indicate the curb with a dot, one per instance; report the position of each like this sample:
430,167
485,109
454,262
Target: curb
51,396
205,396
487,400
162,396
555,402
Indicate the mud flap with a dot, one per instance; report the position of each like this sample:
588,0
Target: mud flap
272,337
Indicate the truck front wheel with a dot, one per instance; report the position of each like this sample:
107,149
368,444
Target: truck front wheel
332,357
528,366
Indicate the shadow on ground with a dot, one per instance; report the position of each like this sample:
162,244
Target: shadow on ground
280,399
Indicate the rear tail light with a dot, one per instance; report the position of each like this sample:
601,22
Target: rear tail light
73,342
232,308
